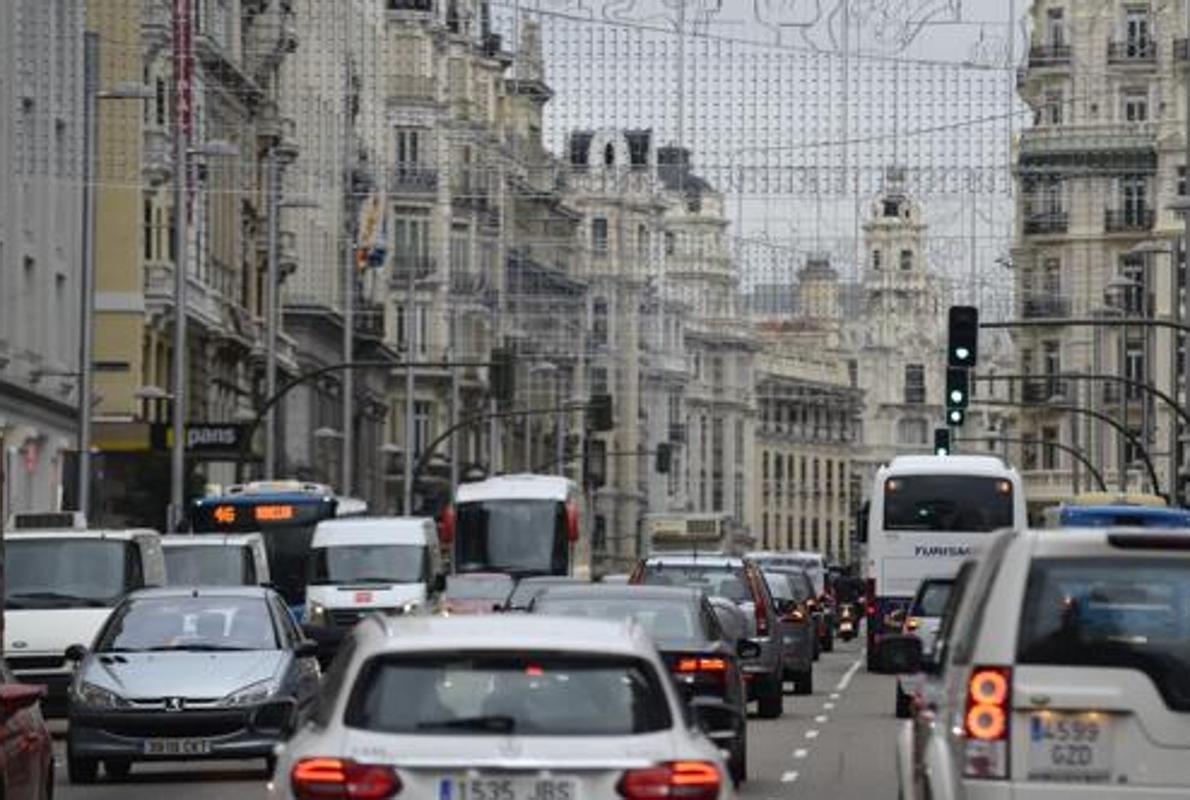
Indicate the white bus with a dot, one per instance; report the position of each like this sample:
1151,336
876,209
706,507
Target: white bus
928,514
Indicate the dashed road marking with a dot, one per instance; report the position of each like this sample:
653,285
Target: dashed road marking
834,695
812,734
801,752
828,706
789,777
821,718
845,681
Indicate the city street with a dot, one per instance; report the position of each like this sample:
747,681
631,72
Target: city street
838,742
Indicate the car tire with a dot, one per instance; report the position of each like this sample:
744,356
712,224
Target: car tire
270,765
117,769
738,766
81,771
828,644
904,704
771,698
803,682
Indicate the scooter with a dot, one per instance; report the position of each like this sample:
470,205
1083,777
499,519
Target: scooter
847,623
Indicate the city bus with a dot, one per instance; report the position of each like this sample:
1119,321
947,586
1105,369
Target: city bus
927,515
521,525
1105,510
285,513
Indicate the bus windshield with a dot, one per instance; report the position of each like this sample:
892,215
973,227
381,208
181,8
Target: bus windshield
950,503
519,537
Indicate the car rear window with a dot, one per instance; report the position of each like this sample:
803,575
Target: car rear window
1111,612
523,693
663,619
714,580
931,600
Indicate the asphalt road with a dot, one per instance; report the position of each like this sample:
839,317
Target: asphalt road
836,743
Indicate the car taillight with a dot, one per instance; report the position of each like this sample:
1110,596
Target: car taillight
872,607
446,525
338,779
689,780
762,615
687,665
986,723
912,624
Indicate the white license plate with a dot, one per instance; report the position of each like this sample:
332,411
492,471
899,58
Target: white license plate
1070,747
177,747
507,788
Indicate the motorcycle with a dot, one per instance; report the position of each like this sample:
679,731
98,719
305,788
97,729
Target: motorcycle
847,623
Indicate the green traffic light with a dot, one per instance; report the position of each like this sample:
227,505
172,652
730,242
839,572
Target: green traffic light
962,353
956,397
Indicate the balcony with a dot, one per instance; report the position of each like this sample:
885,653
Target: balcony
403,88
1045,307
424,6
1050,223
421,267
1049,55
1044,390
1128,220
407,179
467,282
1142,52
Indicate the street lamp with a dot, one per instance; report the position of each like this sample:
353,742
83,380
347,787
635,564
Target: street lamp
122,91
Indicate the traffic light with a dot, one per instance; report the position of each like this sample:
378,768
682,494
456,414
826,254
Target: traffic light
958,390
942,441
664,458
599,413
502,375
955,417
962,348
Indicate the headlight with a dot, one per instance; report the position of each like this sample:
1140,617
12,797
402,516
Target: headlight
92,696
252,694
316,615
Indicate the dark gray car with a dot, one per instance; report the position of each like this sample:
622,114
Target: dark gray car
187,674
791,594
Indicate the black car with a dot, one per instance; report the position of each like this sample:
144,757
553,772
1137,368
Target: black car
185,673
702,658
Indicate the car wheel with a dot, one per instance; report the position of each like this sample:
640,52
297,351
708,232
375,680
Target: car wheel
904,704
738,766
772,698
270,765
81,770
803,682
117,769
828,644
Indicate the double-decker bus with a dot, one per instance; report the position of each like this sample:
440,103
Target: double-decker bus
521,525
928,514
284,513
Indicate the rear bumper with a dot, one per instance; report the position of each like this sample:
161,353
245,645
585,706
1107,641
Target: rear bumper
998,790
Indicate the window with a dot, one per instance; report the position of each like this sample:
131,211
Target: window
1136,32
599,235
1182,181
906,259
642,243
915,384
892,207
422,425
408,147
149,232
1055,29
1134,368
853,372
1049,453
877,255
1052,113
1136,105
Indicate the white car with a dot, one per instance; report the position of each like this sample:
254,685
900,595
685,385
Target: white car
533,707
1065,673
923,620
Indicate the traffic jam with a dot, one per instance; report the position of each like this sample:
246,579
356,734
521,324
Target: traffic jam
475,656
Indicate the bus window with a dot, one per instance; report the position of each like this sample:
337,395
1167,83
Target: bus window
952,503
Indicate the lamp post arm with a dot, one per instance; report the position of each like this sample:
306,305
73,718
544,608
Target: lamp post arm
1082,459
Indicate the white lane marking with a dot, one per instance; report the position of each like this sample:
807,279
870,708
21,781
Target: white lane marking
801,752
789,777
821,718
828,706
845,681
812,734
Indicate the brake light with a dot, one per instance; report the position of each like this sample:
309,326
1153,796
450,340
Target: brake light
762,611
446,525
688,665
872,607
689,780
572,521
338,779
986,723
912,624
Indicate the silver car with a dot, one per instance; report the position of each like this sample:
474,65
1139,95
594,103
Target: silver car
532,707
187,674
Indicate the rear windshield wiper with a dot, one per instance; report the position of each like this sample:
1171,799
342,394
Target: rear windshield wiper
197,648
492,722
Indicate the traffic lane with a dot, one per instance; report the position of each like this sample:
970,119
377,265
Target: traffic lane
839,742
212,780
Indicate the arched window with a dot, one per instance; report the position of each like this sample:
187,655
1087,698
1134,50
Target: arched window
609,155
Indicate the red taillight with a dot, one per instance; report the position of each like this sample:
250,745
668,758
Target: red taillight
872,607
688,665
689,780
446,525
572,521
337,779
986,722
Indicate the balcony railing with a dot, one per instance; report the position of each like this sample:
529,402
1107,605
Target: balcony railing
421,266
1051,222
1049,55
1043,390
1045,307
413,179
1132,51
1132,219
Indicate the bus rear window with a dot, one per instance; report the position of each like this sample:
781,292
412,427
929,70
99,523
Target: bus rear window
947,503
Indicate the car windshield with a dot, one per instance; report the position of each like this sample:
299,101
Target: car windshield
69,573
208,565
714,580
953,503
515,536
369,563
468,587
189,623
663,619
526,693
931,599
1111,612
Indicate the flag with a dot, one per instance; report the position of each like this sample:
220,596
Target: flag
371,240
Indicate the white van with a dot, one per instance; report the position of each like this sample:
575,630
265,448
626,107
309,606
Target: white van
213,559
61,583
359,565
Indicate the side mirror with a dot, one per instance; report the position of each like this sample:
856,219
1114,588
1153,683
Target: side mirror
17,696
901,655
76,652
747,649
716,719
306,648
